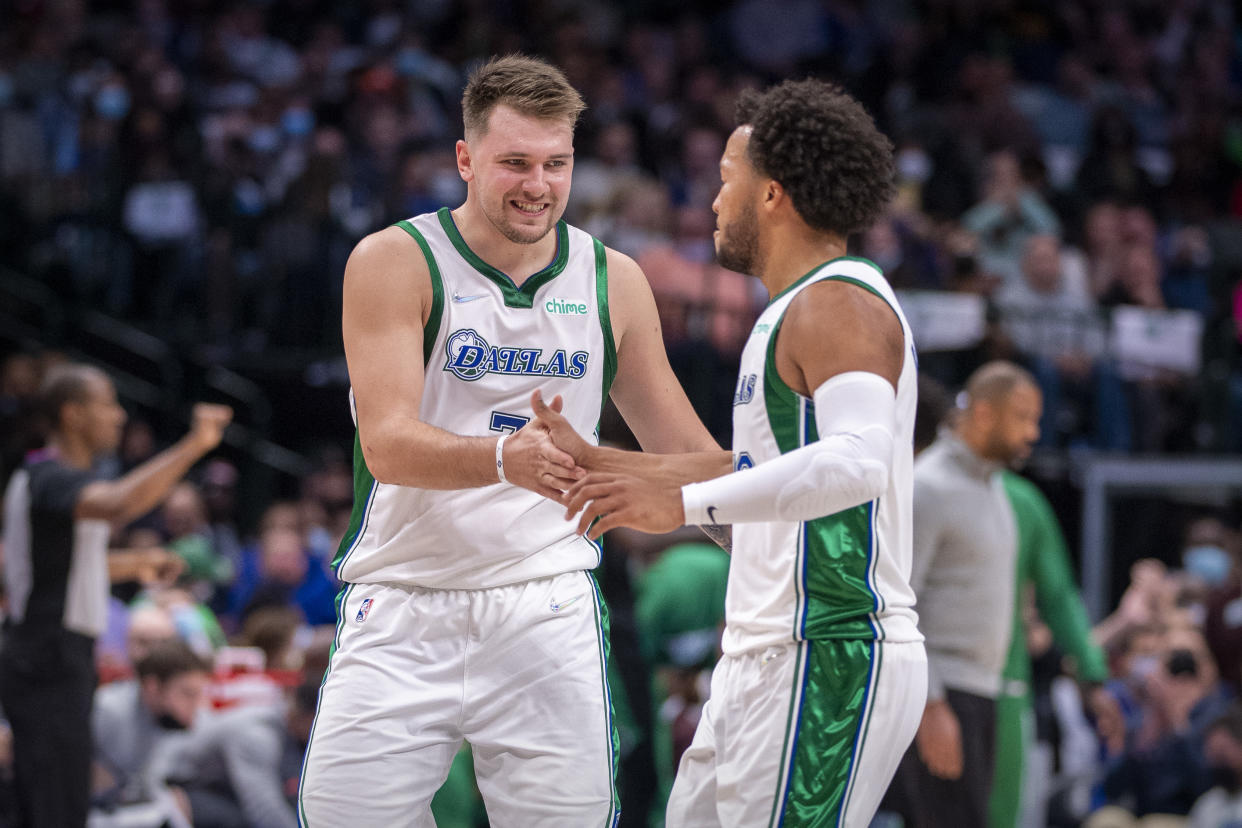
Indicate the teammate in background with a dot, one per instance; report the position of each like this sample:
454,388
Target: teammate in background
469,611
822,680
58,519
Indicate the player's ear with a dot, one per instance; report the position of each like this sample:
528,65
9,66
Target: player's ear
465,166
773,194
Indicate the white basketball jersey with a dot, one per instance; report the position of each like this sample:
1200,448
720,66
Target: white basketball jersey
487,345
844,575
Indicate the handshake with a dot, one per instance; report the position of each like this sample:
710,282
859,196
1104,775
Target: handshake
605,488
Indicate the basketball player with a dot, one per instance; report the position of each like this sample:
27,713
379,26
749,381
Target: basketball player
823,677
469,611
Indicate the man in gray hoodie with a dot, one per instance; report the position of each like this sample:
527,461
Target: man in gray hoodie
965,553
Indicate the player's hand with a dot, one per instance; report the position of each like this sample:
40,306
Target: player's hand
549,419
207,424
939,740
534,462
623,500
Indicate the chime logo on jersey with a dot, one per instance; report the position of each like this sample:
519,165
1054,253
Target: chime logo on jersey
469,356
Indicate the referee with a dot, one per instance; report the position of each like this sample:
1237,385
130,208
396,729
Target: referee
58,517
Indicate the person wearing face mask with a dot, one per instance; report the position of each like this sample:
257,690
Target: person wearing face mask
1221,806
134,721
1210,556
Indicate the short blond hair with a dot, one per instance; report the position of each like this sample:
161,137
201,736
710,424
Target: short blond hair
529,85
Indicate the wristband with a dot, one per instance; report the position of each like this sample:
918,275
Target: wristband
500,458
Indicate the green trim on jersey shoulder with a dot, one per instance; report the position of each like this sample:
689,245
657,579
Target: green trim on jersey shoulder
861,259
364,493
780,402
514,296
820,267
605,318
840,277
432,328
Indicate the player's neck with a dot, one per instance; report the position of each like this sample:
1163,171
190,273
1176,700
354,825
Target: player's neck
794,252
517,261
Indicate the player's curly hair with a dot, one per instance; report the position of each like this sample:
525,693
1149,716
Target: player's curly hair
821,146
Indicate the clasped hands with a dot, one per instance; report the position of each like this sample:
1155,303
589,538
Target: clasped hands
604,488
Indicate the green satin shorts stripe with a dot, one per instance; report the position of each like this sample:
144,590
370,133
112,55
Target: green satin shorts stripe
832,694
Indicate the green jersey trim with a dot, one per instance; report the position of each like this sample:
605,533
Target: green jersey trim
605,319
785,774
840,278
432,329
364,496
830,709
836,555
822,265
514,296
342,599
614,736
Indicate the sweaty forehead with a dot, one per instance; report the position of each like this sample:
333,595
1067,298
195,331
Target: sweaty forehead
512,132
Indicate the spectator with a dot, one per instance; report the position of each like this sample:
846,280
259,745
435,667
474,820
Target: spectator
1051,318
1222,750
287,576
148,625
134,720
1162,770
240,767
1009,213
184,519
219,490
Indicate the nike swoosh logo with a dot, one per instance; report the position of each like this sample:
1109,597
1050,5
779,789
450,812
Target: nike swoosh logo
711,514
557,606
457,297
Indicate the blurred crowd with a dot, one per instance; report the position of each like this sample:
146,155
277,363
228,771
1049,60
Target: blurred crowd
203,169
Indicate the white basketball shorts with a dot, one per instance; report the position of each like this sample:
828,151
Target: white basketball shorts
805,734
517,671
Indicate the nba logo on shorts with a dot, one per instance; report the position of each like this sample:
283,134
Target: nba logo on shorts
364,610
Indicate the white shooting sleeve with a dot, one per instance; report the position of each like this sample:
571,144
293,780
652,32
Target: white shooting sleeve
855,416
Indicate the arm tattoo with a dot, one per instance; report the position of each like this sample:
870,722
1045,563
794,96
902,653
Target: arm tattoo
722,535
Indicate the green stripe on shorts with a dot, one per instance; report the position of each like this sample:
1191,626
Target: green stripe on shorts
833,689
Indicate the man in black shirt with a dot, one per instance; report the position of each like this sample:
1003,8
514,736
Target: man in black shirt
58,517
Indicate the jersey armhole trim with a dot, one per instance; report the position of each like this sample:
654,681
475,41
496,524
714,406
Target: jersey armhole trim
432,329
605,319
770,367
